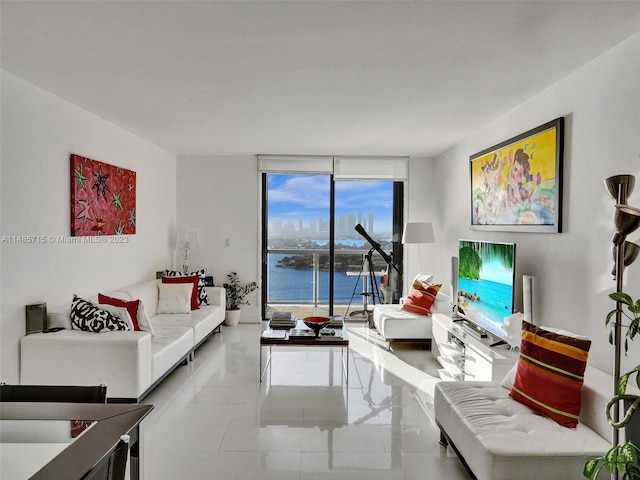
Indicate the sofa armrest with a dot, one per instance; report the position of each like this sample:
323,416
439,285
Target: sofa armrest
217,296
121,360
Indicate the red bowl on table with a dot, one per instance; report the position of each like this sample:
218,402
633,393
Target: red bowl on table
316,323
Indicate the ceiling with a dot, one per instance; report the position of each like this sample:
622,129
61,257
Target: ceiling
305,77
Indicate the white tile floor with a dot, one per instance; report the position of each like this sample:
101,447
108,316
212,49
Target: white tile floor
213,419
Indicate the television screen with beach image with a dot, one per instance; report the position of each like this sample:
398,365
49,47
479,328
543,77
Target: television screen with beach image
486,277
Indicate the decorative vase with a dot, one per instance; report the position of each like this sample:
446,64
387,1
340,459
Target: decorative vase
232,318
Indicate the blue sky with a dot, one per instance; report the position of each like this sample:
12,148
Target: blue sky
292,196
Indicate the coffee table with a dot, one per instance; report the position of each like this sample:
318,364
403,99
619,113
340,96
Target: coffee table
285,338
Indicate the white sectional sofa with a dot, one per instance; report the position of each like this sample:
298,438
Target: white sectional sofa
130,363
500,439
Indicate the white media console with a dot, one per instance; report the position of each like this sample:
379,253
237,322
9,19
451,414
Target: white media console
466,355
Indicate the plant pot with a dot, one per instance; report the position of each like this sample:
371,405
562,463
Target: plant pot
232,318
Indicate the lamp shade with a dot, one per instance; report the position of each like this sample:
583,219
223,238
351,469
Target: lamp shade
188,240
418,232
620,187
627,220
631,251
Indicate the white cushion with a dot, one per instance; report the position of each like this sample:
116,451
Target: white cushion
152,298
442,304
502,439
143,319
119,312
202,321
146,292
423,277
509,378
168,346
174,297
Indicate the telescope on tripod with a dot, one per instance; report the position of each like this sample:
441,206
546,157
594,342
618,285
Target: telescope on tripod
367,262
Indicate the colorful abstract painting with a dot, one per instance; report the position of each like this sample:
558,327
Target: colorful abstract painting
517,184
103,198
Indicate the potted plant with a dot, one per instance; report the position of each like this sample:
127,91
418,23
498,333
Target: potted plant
236,293
622,459
619,459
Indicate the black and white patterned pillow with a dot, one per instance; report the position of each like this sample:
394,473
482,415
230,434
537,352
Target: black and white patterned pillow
89,317
203,298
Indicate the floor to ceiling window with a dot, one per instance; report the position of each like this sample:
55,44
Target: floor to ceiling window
315,261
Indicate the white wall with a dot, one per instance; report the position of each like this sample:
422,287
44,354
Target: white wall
38,133
601,106
420,207
219,198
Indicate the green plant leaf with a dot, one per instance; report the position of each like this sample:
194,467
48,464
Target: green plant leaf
590,468
633,329
628,454
611,456
632,472
622,298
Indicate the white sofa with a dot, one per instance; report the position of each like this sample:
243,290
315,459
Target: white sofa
500,439
394,323
130,363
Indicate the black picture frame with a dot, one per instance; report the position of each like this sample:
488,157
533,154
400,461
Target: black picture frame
516,185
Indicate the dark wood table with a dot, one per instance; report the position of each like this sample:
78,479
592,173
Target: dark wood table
95,445
284,339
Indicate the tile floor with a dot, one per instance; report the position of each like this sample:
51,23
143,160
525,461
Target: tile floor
213,419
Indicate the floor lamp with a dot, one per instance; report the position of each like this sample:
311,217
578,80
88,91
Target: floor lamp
627,221
418,232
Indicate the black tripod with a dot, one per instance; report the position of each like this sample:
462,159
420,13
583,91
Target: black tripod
373,292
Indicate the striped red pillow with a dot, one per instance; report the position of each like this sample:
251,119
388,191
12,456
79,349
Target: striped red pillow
421,298
550,373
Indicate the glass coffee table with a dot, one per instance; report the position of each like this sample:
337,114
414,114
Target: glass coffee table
301,336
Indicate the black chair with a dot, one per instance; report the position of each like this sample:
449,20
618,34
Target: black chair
53,393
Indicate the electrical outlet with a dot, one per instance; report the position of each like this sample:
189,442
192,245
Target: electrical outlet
227,242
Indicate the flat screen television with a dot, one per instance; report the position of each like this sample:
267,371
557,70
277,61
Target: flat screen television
486,283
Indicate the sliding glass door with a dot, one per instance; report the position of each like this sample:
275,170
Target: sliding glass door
296,240
315,261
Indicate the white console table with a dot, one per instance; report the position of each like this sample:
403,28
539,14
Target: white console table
465,357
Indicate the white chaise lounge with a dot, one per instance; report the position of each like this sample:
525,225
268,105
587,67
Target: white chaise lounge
500,439
394,323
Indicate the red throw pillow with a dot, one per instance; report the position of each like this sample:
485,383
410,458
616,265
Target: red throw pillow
130,305
194,293
550,373
421,298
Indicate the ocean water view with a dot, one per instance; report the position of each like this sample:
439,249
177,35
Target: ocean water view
289,285
497,302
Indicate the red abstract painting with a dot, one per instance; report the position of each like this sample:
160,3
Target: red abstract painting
103,198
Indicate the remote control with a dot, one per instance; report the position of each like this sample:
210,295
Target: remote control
52,329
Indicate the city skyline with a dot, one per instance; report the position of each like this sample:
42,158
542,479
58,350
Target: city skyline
299,205
344,226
